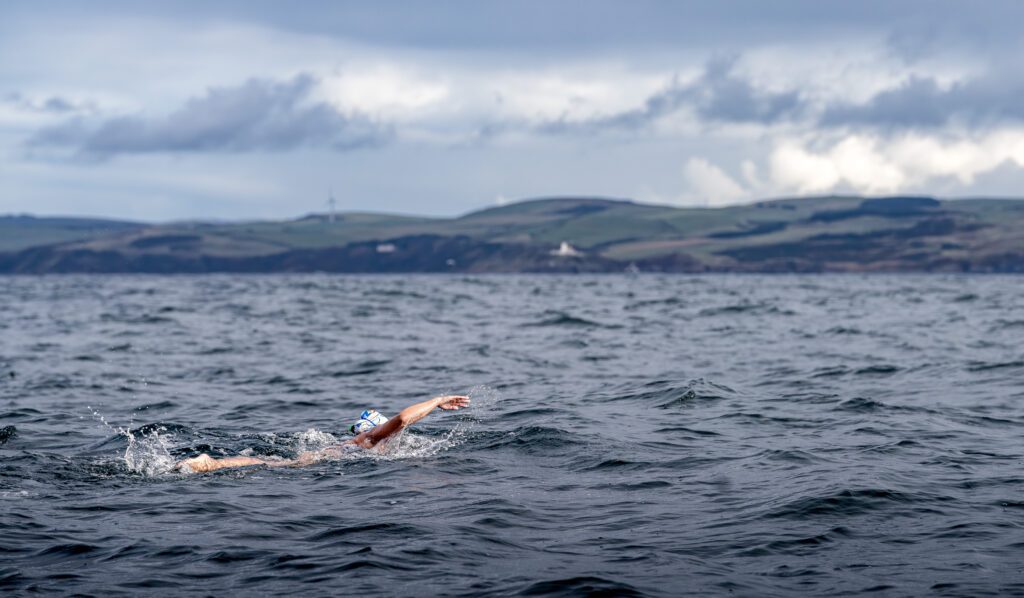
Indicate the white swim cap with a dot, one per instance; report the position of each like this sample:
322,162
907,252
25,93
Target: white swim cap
368,420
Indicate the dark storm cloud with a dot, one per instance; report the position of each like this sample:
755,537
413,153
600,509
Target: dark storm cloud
920,102
720,95
257,115
717,96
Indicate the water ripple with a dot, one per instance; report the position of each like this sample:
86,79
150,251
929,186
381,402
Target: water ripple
630,435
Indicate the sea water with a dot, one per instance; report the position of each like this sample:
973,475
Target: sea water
630,435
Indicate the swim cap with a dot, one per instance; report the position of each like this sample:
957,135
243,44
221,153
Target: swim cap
368,420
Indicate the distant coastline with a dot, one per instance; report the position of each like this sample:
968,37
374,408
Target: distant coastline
557,235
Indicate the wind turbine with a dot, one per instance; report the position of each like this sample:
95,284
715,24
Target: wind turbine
332,203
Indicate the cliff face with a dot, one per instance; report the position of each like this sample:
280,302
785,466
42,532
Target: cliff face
902,234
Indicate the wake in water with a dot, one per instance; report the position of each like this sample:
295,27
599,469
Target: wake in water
149,450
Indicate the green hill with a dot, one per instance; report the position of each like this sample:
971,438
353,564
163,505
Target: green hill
806,234
23,231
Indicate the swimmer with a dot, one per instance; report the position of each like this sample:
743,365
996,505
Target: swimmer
371,429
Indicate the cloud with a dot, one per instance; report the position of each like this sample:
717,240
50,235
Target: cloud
51,104
880,164
854,161
718,95
610,101
258,115
385,89
923,103
710,184
722,95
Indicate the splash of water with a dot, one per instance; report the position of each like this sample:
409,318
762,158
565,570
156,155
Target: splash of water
314,440
148,453
99,417
484,399
407,445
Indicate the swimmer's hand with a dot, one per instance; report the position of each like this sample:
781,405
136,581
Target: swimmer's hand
453,402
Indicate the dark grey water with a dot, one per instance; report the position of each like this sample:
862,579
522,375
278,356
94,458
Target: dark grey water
742,436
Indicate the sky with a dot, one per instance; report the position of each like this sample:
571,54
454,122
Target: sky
263,109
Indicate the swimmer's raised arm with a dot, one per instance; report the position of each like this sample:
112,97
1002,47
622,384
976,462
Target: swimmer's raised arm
407,417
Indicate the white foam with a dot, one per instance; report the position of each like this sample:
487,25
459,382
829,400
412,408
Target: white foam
148,454
314,440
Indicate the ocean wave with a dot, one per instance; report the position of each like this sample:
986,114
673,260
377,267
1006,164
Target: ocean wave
558,318
529,440
852,502
881,369
985,366
570,587
744,309
668,394
364,532
369,366
799,545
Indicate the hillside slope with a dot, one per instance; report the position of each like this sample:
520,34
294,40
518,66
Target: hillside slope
23,231
836,234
